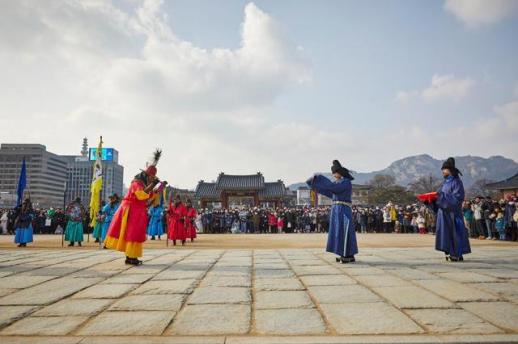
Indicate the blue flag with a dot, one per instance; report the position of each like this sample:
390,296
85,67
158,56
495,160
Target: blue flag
22,183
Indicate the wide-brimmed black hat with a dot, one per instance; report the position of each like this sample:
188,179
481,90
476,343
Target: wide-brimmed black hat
338,168
450,165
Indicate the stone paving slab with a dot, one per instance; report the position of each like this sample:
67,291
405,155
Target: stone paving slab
166,287
327,280
48,292
451,321
413,297
101,291
216,319
220,295
8,314
282,299
258,296
273,284
456,291
47,326
128,323
171,302
371,318
502,314
343,294
289,321
73,307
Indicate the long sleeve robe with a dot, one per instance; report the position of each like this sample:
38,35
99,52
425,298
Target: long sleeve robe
341,239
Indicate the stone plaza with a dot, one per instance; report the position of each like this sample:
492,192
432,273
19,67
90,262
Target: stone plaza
258,296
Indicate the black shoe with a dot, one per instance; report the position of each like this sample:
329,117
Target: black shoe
183,242
192,240
454,259
346,260
20,245
127,261
153,237
174,242
79,244
97,241
134,261
71,244
338,259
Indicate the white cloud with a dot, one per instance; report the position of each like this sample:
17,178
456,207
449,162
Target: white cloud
85,68
479,12
70,69
442,87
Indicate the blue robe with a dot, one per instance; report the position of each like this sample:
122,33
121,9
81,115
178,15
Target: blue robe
155,226
451,236
341,239
108,211
23,225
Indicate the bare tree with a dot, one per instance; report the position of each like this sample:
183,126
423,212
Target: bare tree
479,188
382,181
424,184
385,189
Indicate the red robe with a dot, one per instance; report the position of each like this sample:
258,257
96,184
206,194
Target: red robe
176,223
127,229
190,227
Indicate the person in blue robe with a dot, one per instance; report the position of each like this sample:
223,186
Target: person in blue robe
23,223
155,226
99,219
108,212
451,235
341,239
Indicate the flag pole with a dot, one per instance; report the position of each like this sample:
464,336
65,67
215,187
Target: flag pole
96,186
64,206
167,218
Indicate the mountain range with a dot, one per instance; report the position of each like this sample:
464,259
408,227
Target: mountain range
408,169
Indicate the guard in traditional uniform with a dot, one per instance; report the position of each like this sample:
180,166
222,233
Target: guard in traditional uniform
341,239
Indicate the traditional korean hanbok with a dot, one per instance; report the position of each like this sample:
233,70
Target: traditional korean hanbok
176,225
98,226
127,231
155,226
23,224
451,234
190,226
74,231
341,239
108,211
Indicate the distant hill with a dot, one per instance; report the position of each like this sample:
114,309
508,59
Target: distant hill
409,169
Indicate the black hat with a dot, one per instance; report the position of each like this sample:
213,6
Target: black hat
450,165
338,168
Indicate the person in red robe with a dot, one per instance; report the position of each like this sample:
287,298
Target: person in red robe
191,214
127,231
177,214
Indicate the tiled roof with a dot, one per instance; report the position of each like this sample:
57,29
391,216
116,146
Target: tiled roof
509,183
235,182
206,190
273,190
247,183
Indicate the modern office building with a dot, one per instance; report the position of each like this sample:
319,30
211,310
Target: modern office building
46,175
80,169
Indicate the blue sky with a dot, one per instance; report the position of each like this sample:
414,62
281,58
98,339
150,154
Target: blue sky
281,87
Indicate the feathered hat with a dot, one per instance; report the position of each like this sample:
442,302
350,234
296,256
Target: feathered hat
151,165
338,168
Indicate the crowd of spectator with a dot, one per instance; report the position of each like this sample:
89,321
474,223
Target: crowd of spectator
484,219
45,221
